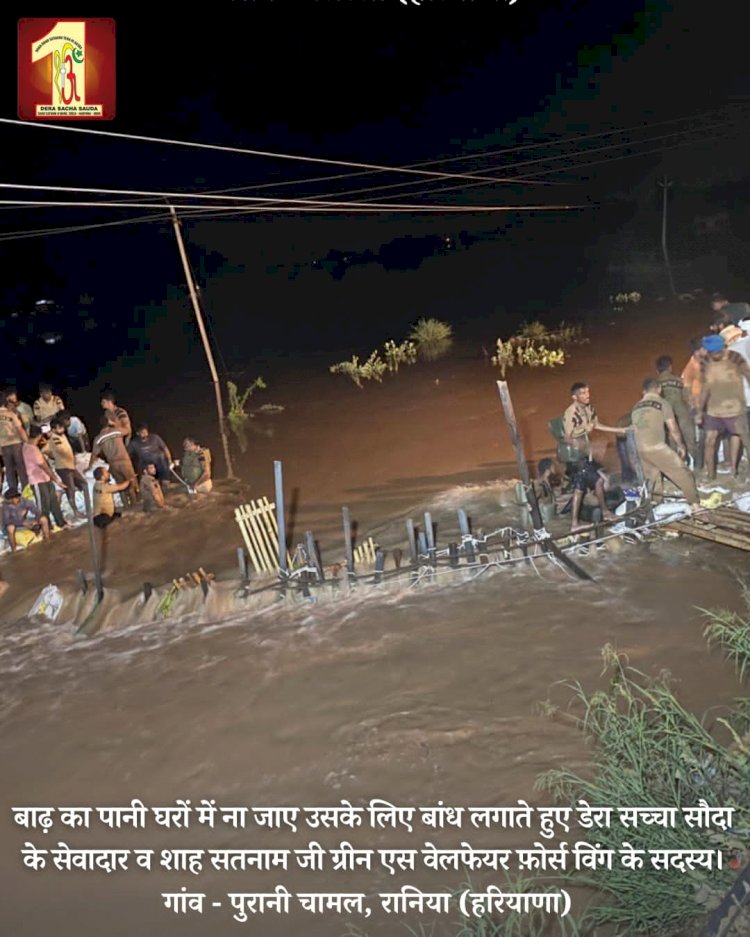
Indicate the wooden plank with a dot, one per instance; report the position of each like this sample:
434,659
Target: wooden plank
239,516
261,525
715,536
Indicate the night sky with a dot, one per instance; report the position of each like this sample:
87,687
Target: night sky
384,82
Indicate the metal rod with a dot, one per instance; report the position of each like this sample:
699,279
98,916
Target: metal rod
379,565
312,555
412,541
204,339
242,563
92,544
348,540
279,482
463,523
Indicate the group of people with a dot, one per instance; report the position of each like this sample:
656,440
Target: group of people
679,423
39,446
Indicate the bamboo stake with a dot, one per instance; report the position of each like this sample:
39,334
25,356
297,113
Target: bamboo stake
515,437
206,343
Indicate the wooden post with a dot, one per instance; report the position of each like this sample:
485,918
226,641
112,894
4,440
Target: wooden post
348,541
515,438
206,343
463,523
279,483
412,542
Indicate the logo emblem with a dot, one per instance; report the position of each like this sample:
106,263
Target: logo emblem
66,69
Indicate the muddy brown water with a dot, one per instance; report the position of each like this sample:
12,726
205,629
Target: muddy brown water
416,697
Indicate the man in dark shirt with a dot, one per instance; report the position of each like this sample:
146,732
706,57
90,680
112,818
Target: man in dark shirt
735,311
20,512
150,449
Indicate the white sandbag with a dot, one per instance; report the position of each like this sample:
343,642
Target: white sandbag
743,503
671,509
48,603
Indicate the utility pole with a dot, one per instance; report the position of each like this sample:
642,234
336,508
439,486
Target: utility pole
665,184
206,344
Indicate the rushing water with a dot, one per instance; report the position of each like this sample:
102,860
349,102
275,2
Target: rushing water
414,696
417,697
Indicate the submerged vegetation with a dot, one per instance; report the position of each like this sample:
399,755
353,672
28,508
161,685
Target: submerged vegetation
432,338
536,346
429,340
239,416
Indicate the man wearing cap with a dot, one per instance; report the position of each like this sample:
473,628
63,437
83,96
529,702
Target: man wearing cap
722,401
652,418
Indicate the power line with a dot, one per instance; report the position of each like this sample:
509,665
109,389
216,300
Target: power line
235,149
472,156
367,209
207,214
89,190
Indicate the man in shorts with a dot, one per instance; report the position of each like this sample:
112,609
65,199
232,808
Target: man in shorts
722,402
18,512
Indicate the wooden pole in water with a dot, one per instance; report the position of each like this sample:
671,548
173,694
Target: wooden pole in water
206,343
515,437
279,483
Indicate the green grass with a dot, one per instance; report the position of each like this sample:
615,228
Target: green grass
650,751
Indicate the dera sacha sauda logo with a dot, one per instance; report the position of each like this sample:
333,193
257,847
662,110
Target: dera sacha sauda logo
66,69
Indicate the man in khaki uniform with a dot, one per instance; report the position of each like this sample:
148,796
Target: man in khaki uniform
677,397
58,449
651,416
46,405
722,401
12,438
586,475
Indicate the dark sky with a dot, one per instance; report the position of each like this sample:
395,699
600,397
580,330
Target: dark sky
365,80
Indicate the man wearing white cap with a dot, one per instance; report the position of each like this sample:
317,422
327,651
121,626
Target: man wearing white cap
722,402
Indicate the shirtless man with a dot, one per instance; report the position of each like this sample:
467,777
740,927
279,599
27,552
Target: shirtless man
721,406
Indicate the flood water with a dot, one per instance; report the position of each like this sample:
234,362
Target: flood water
416,696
